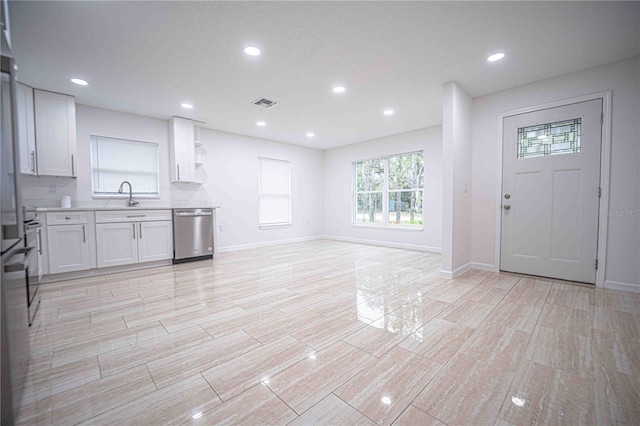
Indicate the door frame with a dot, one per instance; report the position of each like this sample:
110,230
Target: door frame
605,174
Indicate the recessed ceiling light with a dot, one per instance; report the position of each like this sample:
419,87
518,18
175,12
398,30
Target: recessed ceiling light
310,134
187,106
252,51
495,57
519,402
388,112
80,81
260,123
339,89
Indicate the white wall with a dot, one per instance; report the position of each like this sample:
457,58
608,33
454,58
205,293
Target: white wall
456,163
338,178
622,266
103,122
232,170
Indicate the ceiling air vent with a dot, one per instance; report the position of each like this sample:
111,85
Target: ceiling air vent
265,103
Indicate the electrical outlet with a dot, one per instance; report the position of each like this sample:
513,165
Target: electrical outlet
52,189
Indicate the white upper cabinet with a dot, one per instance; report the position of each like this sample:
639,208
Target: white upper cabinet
182,151
55,118
26,130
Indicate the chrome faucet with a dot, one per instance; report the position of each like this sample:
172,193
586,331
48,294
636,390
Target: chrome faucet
131,202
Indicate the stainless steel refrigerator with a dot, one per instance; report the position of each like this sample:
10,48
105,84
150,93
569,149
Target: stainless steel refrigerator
15,257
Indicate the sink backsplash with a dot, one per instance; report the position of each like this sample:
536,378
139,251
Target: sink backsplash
48,192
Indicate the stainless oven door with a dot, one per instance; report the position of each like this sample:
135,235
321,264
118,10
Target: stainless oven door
33,238
15,329
32,243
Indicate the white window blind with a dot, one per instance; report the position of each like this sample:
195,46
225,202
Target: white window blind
274,192
116,160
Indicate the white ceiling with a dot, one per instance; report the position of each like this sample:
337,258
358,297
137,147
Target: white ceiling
149,57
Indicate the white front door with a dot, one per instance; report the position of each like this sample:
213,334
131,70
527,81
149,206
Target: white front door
550,192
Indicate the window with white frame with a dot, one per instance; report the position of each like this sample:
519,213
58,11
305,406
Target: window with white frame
115,160
274,192
388,191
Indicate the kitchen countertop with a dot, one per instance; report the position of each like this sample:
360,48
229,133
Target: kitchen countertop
79,209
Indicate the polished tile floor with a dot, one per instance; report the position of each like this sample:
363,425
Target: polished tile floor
328,332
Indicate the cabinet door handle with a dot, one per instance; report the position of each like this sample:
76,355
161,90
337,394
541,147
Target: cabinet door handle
67,217
33,161
84,236
40,241
178,171
134,230
140,230
73,168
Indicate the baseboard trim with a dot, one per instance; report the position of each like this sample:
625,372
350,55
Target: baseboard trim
484,267
385,244
456,272
446,274
617,285
268,243
96,272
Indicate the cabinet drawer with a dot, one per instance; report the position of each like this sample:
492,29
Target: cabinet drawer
67,218
132,215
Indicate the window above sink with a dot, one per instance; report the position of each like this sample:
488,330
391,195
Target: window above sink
115,160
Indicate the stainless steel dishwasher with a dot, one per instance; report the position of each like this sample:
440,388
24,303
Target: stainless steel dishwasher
192,234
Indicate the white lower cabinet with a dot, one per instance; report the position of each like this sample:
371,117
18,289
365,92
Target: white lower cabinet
124,242
117,244
68,244
155,241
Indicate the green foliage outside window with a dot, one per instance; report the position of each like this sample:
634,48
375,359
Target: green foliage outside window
390,188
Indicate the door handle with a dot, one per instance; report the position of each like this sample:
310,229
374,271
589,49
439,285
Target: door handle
185,214
32,226
507,207
23,264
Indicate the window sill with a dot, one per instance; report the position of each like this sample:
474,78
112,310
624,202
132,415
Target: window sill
126,196
403,228
275,226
